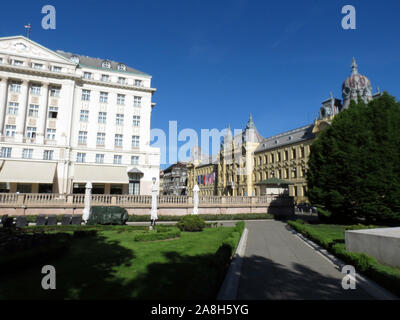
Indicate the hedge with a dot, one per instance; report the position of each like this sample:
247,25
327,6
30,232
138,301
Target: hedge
388,277
207,217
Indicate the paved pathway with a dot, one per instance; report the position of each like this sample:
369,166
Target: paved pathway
278,265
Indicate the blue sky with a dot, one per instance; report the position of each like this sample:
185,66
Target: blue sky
214,62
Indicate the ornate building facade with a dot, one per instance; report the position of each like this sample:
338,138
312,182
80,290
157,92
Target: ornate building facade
67,119
247,162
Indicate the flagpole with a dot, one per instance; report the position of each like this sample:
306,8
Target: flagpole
28,30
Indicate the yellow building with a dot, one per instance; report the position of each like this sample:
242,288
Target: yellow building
250,165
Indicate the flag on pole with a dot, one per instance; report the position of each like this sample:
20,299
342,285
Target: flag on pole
28,29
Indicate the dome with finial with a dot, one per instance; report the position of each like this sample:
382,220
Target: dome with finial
356,85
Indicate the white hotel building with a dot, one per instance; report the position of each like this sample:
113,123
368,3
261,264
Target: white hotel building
67,119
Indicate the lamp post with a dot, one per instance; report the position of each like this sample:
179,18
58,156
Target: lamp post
196,199
153,213
88,201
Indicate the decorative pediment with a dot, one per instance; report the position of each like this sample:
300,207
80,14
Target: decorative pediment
24,47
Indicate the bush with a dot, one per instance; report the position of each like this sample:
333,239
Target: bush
171,233
191,223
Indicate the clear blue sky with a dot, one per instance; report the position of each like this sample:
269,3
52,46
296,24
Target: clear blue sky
214,62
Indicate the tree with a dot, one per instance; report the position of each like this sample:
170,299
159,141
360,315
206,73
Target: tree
354,165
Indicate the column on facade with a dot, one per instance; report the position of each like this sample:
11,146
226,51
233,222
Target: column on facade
3,103
42,121
21,119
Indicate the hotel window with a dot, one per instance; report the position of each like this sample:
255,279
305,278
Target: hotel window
53,112
272,158
102,117
279,174
266,159
35,89
99,158
304,191
135,141
302,152
33,110
137,101
287,174
84,116
56,69
48,154
295,191
51,134
279,157
138,83
87,75
85,95
1,60
15,87
18,63
81,157
294,173
101,139
303,172
105,78
286,155
134,160
13,108
260,160
121,80
103,97
27,153
55,92
117,159
5,152
121,67
119,120
37,66
118,140
294,154
121,99
136,121
31,132
82,137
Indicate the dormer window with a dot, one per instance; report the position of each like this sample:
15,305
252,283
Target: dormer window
75,59
106,64
121,67
276,141
290,138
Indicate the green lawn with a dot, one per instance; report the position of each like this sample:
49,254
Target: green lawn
112,266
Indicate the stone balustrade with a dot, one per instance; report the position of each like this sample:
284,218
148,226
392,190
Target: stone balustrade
25,204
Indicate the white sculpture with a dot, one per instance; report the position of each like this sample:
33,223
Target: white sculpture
88,201
153,212
196,199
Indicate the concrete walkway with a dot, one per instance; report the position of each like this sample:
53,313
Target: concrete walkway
279,265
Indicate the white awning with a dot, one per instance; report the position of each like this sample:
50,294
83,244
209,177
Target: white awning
100,174
28,172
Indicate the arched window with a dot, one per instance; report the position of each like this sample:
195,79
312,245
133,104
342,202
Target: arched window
75,59
106,64
122,67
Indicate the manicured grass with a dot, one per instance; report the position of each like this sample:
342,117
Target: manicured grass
332,238
112,265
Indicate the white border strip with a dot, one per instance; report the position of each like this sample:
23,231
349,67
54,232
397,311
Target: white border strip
368,285
230,285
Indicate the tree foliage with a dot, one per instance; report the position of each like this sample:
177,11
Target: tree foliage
354,165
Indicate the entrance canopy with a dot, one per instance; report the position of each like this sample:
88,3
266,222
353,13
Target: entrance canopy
28,172
100,174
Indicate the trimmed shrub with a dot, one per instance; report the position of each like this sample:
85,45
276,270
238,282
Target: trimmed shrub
207,217
172,233
191,223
